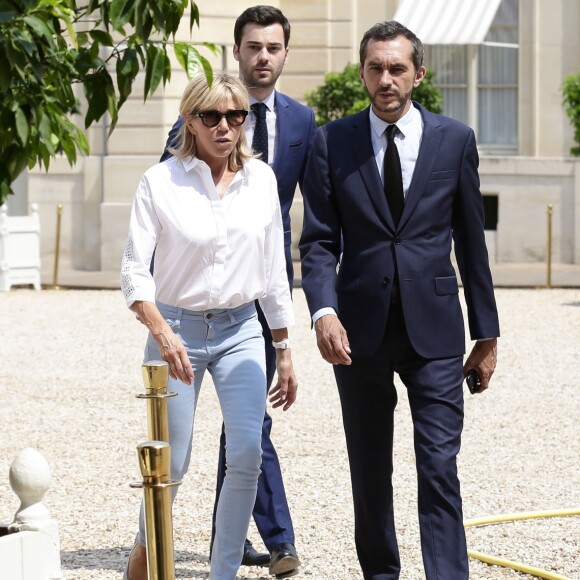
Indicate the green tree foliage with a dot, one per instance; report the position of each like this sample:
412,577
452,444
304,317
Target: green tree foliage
571,91
343,94
340,95
428,95
49,46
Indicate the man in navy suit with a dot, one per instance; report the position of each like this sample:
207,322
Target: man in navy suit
393,305
261,36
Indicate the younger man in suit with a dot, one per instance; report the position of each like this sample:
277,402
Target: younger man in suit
261,36
389,188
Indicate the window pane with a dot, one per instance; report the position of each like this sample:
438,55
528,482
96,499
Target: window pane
498,65
498,83
455,104
498,118
448,62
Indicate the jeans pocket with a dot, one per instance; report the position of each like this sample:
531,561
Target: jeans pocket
173,323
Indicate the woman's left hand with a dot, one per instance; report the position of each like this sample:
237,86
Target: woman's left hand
283,393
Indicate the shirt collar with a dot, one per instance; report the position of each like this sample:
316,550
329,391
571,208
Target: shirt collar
193,162
190,162
411,117
268,101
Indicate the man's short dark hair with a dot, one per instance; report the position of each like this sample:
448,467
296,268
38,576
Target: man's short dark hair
389,30
264,16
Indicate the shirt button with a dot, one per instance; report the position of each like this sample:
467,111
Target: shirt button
397,240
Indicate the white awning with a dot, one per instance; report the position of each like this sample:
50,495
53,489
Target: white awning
448,21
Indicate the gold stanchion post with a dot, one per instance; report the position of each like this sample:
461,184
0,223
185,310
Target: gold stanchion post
549,249
55,285
155,378
154,462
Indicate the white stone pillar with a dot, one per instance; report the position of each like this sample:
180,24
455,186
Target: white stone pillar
30,478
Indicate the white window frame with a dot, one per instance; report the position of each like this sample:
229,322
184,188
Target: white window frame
472,87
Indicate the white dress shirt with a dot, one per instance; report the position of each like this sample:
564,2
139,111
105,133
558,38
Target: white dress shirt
209,252
250,123
408,140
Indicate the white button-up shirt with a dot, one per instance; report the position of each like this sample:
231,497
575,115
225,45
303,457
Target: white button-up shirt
209,252
408,140
250,124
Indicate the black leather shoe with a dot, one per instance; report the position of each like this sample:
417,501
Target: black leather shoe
284,561
287,574
252,557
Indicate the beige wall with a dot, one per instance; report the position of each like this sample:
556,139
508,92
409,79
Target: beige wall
98,191
549,51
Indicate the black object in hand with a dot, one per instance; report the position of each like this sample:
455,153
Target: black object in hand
473,381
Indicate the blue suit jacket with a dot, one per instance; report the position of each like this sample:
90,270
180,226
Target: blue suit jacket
295,131
344,200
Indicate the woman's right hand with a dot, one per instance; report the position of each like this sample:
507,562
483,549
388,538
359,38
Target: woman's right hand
173,352
170,346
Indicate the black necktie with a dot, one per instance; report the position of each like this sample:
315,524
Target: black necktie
260,139
392,176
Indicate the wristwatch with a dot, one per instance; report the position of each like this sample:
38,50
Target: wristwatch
283,344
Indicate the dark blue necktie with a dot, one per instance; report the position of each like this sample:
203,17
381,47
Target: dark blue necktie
393,176
260,139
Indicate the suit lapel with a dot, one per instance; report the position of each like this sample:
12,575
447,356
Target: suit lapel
428,151
283,126
367,165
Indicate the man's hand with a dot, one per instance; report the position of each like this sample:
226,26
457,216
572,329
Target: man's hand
482,358
332,340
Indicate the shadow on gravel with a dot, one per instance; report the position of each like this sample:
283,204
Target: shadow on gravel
115,558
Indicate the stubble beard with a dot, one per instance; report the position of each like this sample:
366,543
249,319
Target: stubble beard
252,79
398,105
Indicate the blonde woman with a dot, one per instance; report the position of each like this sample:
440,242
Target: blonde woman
211,215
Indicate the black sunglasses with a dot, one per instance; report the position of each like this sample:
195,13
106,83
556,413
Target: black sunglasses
234,117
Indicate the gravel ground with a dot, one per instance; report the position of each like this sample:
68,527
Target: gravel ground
68,384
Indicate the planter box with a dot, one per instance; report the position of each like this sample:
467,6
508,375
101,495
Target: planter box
19,249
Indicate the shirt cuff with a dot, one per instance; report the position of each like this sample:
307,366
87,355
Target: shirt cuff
323,312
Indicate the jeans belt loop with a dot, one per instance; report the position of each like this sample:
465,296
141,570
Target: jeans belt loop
178,317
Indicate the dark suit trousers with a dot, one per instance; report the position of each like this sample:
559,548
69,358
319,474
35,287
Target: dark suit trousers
271,513
368,398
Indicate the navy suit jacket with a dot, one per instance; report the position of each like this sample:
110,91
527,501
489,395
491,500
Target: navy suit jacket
346,209
295,131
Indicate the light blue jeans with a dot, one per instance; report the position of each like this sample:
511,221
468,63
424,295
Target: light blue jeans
229,344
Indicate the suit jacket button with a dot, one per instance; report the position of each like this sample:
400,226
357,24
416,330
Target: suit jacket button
397,240
385,281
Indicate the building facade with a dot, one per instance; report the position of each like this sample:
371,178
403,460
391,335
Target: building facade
500,64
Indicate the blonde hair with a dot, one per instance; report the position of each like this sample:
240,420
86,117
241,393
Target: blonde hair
200,96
